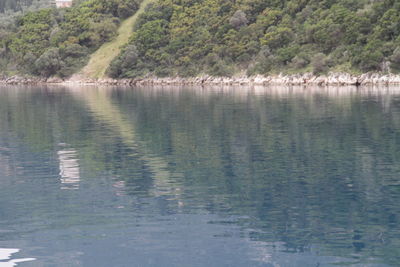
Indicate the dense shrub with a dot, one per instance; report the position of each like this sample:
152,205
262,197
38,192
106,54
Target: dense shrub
319,63
58,41
218,37
261,36
49,63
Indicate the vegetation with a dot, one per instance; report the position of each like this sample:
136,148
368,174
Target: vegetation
101,59
52,41
12,7
217,37
221,37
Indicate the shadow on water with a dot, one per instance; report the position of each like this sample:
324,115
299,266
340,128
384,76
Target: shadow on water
306,175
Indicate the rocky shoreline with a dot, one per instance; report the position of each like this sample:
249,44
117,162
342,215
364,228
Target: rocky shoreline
333,79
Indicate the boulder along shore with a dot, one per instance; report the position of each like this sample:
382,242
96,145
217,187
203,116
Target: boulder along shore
296,79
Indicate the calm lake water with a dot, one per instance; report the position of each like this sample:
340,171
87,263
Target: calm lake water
199,177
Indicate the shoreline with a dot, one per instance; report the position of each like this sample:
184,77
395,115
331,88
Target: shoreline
332,79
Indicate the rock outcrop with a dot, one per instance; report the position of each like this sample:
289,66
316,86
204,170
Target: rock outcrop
21,80
333,79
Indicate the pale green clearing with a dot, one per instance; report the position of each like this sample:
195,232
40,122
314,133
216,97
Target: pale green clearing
101,59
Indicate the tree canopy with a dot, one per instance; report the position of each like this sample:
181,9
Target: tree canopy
53,41
217,37
221,37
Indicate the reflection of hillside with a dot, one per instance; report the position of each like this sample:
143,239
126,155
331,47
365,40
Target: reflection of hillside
100,105
308,166
276,158
5,165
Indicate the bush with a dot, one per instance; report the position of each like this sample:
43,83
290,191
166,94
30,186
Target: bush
238,19
299,62
319,63
221,69
371,60
49,63
29,63
102,31
126,61
277,37
395,59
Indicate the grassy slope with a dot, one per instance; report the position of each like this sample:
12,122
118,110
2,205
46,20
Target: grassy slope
101,59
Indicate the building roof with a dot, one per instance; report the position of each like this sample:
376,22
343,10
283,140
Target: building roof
63,3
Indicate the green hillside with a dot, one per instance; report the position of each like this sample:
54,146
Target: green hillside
58,42
221,37
217,37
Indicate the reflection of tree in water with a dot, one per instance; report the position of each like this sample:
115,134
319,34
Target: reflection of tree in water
307,169
154,168
6,165
310,169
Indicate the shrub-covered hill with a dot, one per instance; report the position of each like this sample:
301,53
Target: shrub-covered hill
221,37
58,42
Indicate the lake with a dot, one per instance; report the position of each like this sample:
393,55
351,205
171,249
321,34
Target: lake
219,176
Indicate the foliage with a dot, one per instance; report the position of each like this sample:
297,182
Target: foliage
238,19
49,62
395,59
192,37
10,7
319,63
58,41
217,37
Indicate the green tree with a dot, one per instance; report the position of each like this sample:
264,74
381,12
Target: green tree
49,63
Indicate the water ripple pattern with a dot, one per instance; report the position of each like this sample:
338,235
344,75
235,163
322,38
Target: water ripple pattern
199,176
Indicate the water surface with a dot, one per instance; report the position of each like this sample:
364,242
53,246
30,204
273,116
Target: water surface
199,176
